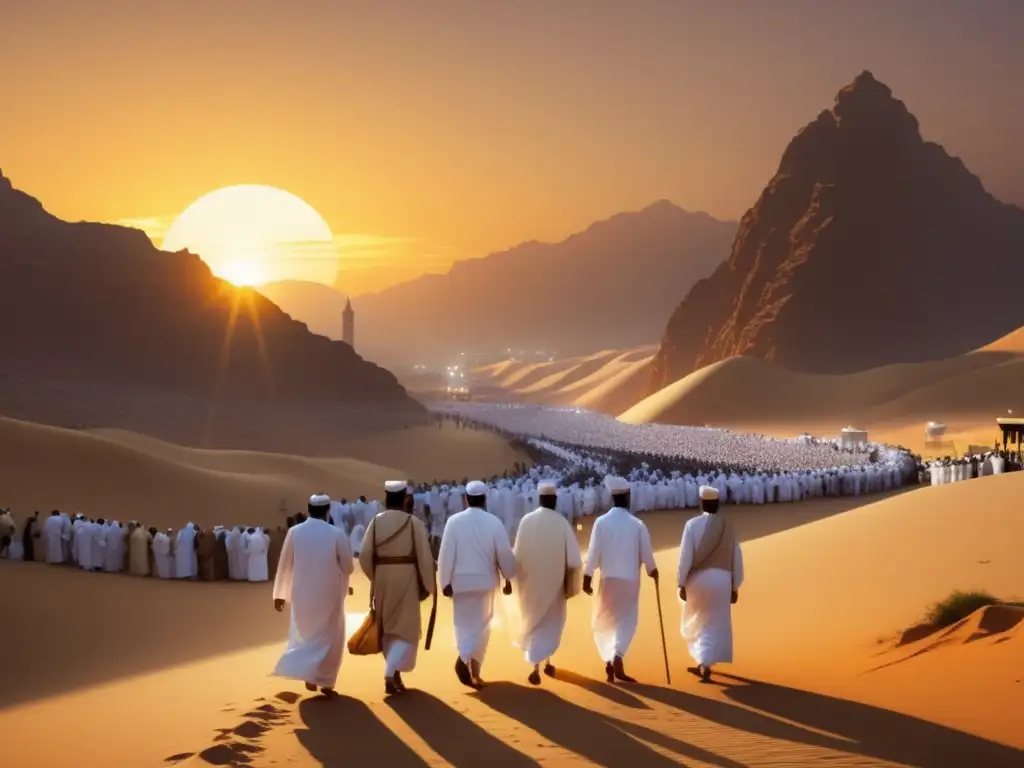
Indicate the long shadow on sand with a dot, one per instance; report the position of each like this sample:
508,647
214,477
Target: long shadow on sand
452,735
859,729
614,694
343,731
602,740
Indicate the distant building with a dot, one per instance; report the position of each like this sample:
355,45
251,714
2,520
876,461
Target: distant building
348,325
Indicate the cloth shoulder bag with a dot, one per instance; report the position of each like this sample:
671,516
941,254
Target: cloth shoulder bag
367,640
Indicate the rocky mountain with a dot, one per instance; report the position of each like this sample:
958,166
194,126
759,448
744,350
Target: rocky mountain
612,285
317,305
99,302
869,246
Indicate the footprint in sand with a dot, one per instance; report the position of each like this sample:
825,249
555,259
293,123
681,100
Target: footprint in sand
237,746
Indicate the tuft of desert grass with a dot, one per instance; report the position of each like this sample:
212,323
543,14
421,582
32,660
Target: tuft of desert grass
957,607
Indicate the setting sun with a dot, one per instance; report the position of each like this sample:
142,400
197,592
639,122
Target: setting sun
254,234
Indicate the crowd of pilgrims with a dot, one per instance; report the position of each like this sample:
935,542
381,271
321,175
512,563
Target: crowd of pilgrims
657,482
954,470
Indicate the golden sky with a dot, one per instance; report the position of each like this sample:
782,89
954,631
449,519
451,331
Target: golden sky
428,132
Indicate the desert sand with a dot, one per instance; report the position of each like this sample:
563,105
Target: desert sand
820,678
607,382
130,476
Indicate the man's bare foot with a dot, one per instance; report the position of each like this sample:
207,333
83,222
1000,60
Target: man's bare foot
310,687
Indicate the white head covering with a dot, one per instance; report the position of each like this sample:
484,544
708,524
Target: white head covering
708,492
476,488
319,500
616,484
396,486
547,489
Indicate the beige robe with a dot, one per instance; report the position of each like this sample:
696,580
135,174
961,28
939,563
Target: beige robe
548,566
140,545
396,587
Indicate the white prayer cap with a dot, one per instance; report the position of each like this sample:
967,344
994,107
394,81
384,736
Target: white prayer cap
547,489
616,484
396,486
319,500
476,488
708,492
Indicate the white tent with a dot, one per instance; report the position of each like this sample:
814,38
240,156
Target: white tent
851,437
934,431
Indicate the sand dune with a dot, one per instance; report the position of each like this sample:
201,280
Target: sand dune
744,391
125,475
828,585
607,382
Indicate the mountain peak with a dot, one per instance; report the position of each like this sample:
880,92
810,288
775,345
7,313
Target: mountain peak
869,103
858,194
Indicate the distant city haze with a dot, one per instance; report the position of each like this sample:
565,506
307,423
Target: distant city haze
427,133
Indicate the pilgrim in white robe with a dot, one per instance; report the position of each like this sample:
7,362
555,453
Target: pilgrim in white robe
238,567
84,533
706,624
113,551
547,560
186,564
256,544
312,577
162,557
355,539
53,535
99,545
474,548
619,545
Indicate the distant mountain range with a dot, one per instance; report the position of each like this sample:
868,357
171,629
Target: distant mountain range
100,302
869,246
612,285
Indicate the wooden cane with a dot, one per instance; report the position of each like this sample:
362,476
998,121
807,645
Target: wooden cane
661,623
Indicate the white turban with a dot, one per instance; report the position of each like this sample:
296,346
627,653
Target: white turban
476,488
547,489
708,492
616,484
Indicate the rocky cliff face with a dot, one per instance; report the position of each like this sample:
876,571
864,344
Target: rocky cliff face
99,302
611,286
869,246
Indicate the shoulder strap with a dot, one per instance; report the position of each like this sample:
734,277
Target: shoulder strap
392,537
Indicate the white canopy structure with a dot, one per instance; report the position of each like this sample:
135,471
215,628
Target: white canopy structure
852,438
934,431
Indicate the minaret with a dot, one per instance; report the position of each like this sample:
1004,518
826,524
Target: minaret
348,325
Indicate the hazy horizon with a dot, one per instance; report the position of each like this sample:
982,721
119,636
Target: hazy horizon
424,135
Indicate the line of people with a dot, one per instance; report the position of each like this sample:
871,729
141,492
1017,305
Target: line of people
475,558
99,545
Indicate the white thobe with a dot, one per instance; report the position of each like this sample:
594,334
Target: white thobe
162,557
545,549
355,539
474,548
619,545
83,545
186,564
256,544
99,545
706,624
312,576
234,542
53,534
113,553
